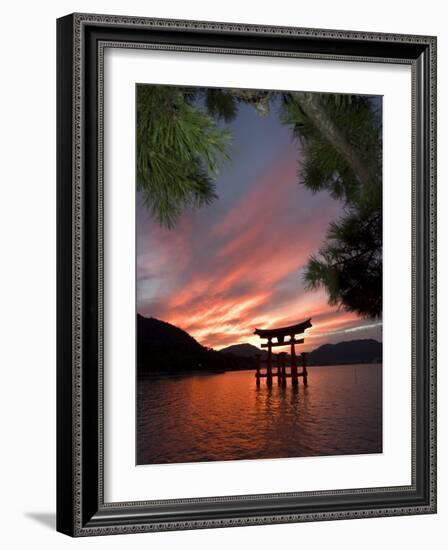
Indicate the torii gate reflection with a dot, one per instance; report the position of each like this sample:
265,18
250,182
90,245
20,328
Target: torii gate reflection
281,359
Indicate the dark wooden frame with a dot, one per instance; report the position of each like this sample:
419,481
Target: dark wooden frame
81,509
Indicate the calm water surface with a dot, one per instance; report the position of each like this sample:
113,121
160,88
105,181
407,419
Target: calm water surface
225,417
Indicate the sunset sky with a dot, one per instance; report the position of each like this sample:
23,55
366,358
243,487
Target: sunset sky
237,264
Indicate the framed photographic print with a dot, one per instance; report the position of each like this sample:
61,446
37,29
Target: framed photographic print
246,274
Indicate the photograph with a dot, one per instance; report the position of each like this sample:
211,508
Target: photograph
259,280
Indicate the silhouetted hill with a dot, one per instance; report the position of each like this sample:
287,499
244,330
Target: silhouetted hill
158,335
243,350
163,348
352,351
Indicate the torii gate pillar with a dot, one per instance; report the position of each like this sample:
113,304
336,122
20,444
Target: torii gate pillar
294,372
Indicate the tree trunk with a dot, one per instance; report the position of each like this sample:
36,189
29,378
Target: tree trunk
313,108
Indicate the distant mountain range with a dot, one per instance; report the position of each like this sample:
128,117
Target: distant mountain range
163,348
243,350
352,351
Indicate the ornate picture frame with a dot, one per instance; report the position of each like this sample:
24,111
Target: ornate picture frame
81,506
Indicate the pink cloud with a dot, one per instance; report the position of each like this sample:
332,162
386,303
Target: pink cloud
225,278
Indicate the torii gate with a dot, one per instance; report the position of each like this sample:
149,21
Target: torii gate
280,334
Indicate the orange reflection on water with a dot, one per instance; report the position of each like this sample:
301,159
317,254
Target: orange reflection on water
225,417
